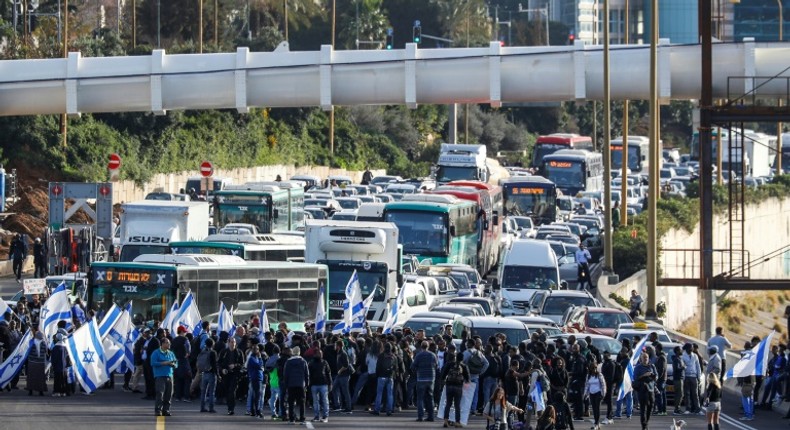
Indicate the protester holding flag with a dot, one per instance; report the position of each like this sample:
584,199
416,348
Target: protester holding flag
747,389
163,362
594,390
36,370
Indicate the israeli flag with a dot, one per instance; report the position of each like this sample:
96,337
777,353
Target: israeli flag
264,322
188,315
628,374
536,395
4,308
753,361
86,352
361,313
110,319
171,315
57,308
392,318
225,321
116,339
320,313
16,361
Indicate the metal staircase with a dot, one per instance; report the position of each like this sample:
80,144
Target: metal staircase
736,189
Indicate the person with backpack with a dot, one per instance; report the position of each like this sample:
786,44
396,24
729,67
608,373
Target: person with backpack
536,376
491,375
455,375
645,386
594,390
562,411
477,364
208,369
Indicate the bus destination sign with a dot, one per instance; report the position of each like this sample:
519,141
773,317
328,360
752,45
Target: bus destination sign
528,190
561,164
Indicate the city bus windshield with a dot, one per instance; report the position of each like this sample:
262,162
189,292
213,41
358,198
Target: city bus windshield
421,233
456,173
542,278
633,157
151,291
524,200
255,214
565,173
543,149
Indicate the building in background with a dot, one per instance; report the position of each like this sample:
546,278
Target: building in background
759,19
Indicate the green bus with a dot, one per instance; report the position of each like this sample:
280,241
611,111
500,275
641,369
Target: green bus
154,282
269,206
251,247
438,228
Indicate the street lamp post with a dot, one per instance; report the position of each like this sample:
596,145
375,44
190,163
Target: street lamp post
779,124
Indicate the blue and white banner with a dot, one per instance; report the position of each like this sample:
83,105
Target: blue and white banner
352,305
57,308
628,373
87,356
225,320
4,308
360,313
753,361
392,317
264,318
187,316
320,313
11,367
536,395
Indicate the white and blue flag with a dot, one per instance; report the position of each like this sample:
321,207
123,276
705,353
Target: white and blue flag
57,308
115,340
225,320
264,319
352,305
188,316
167,322
110,319
16,361
360,312
320,313
4,308
392,318
753,361
628,373
536,395
87,356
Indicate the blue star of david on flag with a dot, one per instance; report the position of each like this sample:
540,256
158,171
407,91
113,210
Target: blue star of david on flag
87,356
17,358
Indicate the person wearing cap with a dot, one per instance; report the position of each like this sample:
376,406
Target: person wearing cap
163,362
296,377
183,376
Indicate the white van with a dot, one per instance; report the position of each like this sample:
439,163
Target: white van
485,327
371,212
528,265
414,301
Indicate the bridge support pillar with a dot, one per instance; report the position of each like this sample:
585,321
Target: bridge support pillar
708,315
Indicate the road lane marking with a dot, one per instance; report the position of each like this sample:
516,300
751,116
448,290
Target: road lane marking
160,423
308,424
735,422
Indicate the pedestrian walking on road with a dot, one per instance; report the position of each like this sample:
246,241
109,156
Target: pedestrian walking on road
40,259
163,362
207,366
594,390
645,386
18,253
296,377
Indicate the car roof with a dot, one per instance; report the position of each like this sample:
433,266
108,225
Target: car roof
436,314
569,293
602,309
488,321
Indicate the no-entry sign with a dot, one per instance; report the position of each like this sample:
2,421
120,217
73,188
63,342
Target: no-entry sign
206,169
115,162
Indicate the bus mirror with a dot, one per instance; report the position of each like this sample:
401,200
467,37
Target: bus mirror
399,279
496,218
276,213
452,230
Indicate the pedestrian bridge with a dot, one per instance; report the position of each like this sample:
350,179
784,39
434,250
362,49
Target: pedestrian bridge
410,76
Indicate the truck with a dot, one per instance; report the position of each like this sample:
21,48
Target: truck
148,226
458,162
757,148
371,249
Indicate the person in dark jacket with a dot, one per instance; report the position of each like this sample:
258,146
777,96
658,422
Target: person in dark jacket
454,375
385,370
424,365
149,348
231,362
183,374
255,363
18,253
562,412
59,360
609,370
296,376
645,386
340,388
320,384
577,368
660,363
39,259
208,378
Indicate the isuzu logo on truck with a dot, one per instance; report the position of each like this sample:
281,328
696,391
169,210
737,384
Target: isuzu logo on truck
148,239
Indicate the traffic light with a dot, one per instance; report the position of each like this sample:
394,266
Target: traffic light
417,32
390,39
571,37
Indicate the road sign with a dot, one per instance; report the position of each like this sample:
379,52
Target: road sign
115,162
206,169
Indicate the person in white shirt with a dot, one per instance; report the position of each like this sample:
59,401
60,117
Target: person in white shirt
722,343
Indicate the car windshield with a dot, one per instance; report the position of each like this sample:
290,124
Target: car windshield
514,336
543,278
431,327
484,304
523,222
565,204
558,305
607,319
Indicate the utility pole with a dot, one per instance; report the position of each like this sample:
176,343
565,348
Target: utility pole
652,236
216,25
624,158
779,124
64,120
200,26
134,24
332,112
607,150
158,24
